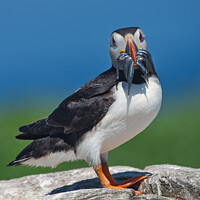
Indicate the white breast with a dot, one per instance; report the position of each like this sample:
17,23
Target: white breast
127,116
130,115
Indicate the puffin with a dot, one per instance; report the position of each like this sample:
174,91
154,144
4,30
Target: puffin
101,115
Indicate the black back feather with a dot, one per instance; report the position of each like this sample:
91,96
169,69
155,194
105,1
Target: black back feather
78,113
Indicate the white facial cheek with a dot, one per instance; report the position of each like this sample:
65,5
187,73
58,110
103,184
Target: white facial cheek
137,42
145,45
112,54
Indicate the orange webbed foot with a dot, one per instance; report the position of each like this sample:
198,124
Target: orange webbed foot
108,181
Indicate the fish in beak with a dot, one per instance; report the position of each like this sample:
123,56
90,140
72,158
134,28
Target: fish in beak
131,49
128,59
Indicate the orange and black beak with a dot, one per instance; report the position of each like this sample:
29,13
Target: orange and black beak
132,49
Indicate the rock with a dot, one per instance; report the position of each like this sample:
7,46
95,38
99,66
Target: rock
172,181
167,182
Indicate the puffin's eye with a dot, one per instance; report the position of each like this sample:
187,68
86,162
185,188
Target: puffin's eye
141,37
114,43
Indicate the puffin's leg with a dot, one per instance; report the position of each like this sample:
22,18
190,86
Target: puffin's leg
108,181
113,181
105,168
108,175
107,184
102,177
103,171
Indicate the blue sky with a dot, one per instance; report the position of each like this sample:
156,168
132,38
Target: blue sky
53,47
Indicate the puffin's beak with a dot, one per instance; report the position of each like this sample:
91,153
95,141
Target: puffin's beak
131,49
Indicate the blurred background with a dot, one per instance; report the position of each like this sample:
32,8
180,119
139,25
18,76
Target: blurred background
49,48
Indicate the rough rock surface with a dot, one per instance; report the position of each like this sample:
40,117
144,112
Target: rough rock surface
167,182
172,181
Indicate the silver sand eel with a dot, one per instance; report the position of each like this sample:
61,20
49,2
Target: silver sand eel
126,62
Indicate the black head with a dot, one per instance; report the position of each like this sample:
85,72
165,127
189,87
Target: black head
128,39
125,31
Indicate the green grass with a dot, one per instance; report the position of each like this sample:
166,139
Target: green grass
172,138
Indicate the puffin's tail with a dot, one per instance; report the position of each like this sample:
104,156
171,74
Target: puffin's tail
47,151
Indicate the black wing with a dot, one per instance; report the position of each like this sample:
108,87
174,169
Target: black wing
79,112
